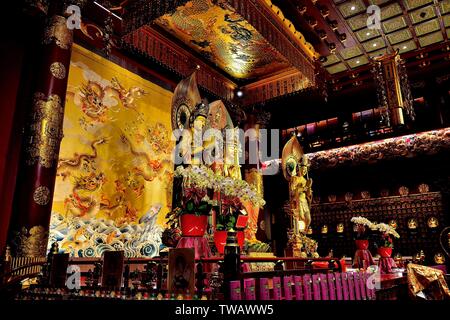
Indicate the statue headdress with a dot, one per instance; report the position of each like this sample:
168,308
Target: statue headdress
291,156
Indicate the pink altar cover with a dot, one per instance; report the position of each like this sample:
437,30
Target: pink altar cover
363,259
200,244
201,247
386,264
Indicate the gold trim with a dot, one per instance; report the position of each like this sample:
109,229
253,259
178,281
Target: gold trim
58,70
289,26
41,195
45,130
58,32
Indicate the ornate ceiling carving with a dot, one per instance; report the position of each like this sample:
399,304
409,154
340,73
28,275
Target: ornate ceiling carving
224,38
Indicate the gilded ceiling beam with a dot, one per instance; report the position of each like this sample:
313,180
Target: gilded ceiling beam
269,21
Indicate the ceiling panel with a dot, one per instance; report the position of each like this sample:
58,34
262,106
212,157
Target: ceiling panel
337,68
367,34
358,61
405,46
331,59
431,39
427,27
350,8
391,11
351,52
399,36
447,20
358,22
412,4
445,6
394,24
423,14
374,45
406,25
377,53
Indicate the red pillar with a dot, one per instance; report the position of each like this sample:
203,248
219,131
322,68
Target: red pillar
28,231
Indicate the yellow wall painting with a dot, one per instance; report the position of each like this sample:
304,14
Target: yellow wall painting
115,169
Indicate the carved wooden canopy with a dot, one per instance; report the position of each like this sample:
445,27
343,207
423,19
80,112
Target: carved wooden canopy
248,41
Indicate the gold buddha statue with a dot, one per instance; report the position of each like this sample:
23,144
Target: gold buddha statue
340,228
324,229
439,258
412,224
433,222
393,224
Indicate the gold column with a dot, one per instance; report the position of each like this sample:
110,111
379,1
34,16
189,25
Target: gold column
387,75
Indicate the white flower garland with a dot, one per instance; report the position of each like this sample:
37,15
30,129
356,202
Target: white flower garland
382,227
385,228
204,178
363,221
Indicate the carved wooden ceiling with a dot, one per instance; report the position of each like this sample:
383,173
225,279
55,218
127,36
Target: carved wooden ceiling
271,48
341,33
224,38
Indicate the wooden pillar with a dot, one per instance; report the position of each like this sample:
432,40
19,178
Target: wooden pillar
28,231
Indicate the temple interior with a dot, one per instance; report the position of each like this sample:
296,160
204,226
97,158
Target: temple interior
225,150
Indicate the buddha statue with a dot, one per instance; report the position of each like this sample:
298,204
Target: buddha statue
433,223
300,191
412,224
393,224
340,228
439,258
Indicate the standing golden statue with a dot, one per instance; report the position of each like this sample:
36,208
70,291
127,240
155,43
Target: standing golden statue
295,167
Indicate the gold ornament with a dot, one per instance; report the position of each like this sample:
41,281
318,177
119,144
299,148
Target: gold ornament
57,31
433,222
46,130
41,195
324,229
31,243
393,224
340,228
439,258
424,188
58,70
412,224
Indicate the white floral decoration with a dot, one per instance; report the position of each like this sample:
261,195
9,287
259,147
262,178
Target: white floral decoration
204,178
385,228
362,221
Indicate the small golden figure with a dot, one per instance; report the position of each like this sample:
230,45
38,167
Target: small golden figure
433,222
412,224
439,258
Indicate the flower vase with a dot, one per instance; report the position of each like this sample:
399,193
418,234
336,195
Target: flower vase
385,252
220,239
362,244
193,225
